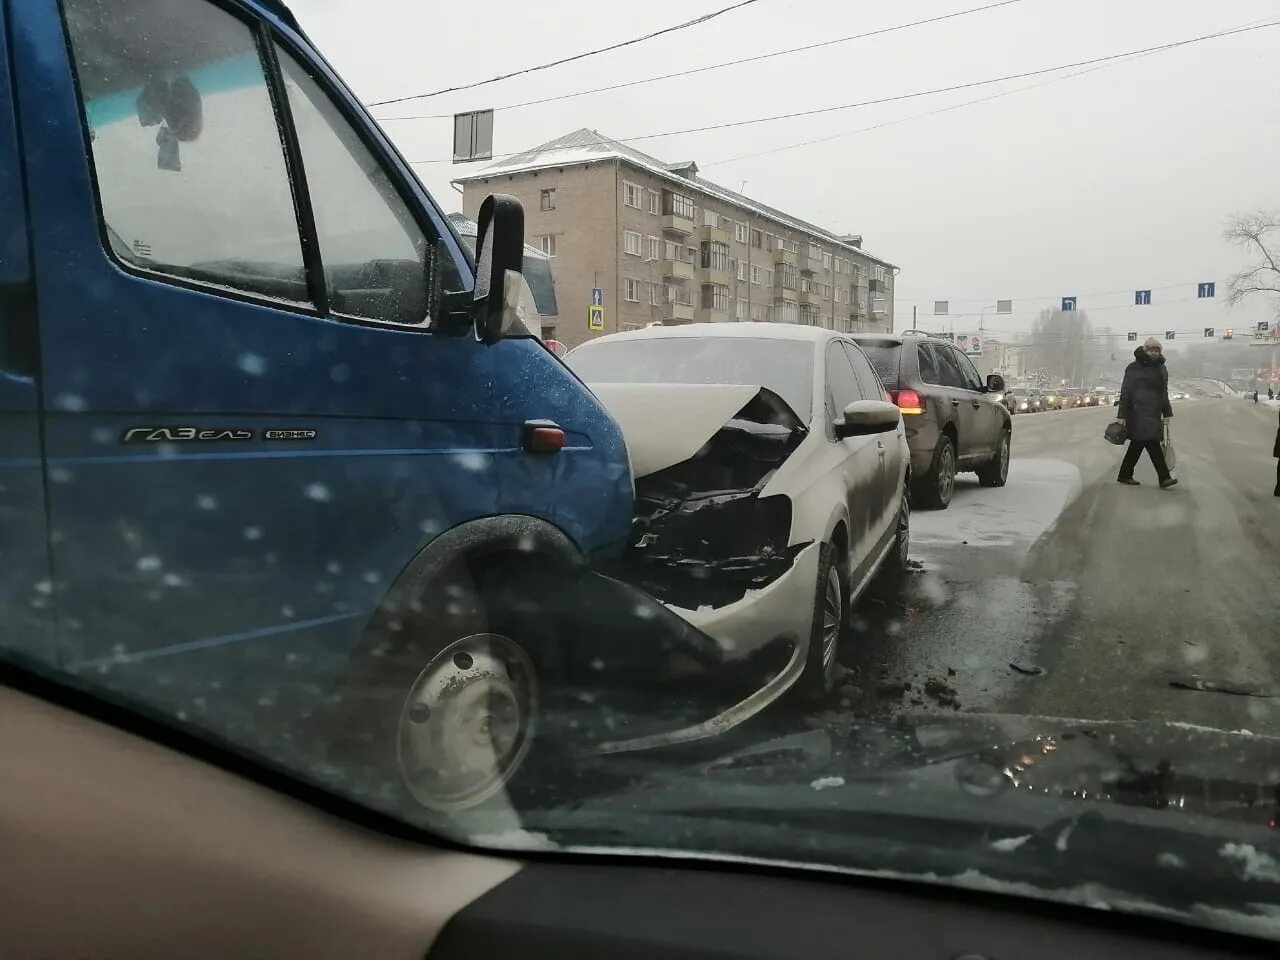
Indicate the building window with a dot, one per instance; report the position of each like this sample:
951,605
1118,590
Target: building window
757,274
759,311
710,218
679,293
742,270
715,296
815,252
826,261
757,239
655,249
630,290
655,294
741,232
880,274
788,275
786,311
826,291
655,201
806,285
632,243
549,199
677,205
547,244
632,194
839,265
740,312
715,256
677,251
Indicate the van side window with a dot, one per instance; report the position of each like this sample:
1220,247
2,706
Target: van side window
948,368
868,379
375,256
842,384
187,155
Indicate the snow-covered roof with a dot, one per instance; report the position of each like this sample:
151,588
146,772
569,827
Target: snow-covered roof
591,146
746,329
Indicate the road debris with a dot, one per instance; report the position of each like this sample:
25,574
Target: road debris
1224,686
1030,669
942,693
826,783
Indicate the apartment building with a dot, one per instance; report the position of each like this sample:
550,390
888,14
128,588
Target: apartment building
663,245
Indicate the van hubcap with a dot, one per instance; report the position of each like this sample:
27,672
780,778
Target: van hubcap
1004,458
466,723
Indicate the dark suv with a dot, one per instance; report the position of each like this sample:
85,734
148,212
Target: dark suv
954,421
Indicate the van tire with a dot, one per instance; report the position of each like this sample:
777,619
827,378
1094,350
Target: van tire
891,578
445,699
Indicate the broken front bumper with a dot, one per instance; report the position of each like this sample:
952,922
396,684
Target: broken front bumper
781,611
779,615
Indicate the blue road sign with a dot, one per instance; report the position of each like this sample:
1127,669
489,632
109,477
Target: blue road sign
1068,303
1141,298
597,297
1205,290
1208,333
1263,326
1170,334
1132,337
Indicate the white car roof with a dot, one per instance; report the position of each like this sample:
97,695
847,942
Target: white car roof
750,330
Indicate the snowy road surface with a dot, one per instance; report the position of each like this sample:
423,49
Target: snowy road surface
1065,594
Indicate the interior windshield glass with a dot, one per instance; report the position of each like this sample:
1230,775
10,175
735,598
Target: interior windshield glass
841,436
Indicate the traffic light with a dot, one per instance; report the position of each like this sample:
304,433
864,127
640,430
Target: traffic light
1228,334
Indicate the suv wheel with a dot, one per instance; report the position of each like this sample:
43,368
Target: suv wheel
829,605
995,471
938,485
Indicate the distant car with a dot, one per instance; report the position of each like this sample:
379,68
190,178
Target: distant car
771,476
955,422
1020,400
1054,400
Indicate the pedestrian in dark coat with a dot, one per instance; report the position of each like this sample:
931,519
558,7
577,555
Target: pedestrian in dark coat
1275,452
1144,400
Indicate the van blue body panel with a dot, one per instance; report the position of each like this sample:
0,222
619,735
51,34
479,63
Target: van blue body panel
251,558
25,585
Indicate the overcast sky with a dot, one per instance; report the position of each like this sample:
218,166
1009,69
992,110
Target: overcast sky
1093,186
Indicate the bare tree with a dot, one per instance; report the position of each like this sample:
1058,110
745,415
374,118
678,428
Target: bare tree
1258,233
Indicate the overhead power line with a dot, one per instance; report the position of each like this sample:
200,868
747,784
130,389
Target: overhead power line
718,66
919,93
577,56
948,89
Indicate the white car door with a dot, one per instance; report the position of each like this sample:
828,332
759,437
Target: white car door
890,447
859,468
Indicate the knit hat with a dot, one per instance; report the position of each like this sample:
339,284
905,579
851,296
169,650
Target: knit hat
1152,342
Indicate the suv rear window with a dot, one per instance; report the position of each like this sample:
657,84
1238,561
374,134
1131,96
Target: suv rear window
886,358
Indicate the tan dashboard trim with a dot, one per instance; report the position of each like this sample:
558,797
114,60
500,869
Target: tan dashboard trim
113,846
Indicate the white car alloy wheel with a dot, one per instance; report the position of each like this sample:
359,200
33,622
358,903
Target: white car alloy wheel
467,722
832,618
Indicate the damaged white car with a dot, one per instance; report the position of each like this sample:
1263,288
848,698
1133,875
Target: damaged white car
771,476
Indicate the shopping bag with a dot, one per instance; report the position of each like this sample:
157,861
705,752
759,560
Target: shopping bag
1116,433
1166,444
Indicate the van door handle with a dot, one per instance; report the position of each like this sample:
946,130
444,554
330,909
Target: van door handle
955,403
880,447
977,405
541,436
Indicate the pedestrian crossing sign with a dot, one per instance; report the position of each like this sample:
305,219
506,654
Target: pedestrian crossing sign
595,317
1133,337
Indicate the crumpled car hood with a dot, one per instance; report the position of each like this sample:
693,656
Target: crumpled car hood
667,423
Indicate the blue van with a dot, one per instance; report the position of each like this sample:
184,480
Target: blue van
265,453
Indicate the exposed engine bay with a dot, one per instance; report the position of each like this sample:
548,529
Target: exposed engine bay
703,535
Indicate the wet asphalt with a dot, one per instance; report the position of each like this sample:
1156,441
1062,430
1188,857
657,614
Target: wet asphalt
1067,595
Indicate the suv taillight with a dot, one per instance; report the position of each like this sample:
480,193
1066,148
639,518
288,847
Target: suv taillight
908,401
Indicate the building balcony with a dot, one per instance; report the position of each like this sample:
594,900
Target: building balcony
785,256
677,269
674,223
713,235
806,265
715,275
679,312
811,297
784,293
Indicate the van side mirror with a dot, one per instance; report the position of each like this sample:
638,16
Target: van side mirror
995,383
499,261
865,417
